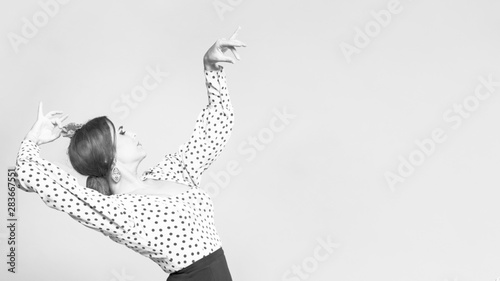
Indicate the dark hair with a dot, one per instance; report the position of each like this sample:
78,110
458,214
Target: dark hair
92,151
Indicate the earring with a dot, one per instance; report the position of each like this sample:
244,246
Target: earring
116,175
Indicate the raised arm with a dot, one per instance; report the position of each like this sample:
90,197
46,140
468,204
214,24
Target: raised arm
213,126
59,190
212,130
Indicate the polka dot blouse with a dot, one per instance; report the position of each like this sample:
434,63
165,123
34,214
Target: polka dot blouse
172,231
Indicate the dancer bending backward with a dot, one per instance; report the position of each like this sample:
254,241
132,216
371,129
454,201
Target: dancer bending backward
162,214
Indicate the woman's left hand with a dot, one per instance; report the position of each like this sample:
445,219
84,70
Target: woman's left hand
47,127
215,54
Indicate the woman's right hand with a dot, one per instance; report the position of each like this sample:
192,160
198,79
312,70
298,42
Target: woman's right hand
47,128
216,52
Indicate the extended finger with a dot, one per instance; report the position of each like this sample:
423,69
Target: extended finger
235,33
54,113
40,110
233,50
64,117
59,121
232,43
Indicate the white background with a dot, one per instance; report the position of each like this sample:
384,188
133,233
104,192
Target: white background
319,177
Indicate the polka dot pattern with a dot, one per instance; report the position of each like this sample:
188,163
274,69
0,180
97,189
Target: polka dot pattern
172,231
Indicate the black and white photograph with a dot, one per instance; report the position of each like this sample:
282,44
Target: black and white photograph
233,140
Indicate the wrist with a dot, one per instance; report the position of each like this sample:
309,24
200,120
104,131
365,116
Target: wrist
30,136
210,66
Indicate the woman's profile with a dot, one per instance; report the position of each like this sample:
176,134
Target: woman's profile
162,213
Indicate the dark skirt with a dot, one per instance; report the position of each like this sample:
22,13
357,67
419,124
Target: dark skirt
210,268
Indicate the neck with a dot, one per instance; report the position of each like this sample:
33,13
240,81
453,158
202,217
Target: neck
129,181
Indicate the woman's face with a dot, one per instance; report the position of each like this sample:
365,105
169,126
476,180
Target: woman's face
128,149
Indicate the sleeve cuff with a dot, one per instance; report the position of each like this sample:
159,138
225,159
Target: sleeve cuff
219,72
31,143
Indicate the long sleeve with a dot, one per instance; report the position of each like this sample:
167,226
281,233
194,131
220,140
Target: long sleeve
59,190
212,130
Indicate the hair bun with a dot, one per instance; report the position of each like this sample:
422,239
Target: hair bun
99,184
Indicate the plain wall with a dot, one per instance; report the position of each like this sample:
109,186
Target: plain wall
357,106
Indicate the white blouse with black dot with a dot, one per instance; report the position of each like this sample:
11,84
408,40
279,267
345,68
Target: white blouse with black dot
172,231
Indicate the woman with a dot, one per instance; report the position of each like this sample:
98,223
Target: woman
162,213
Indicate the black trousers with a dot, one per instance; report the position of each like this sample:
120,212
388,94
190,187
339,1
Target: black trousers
210,268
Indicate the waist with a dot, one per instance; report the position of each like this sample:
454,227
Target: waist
201,263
